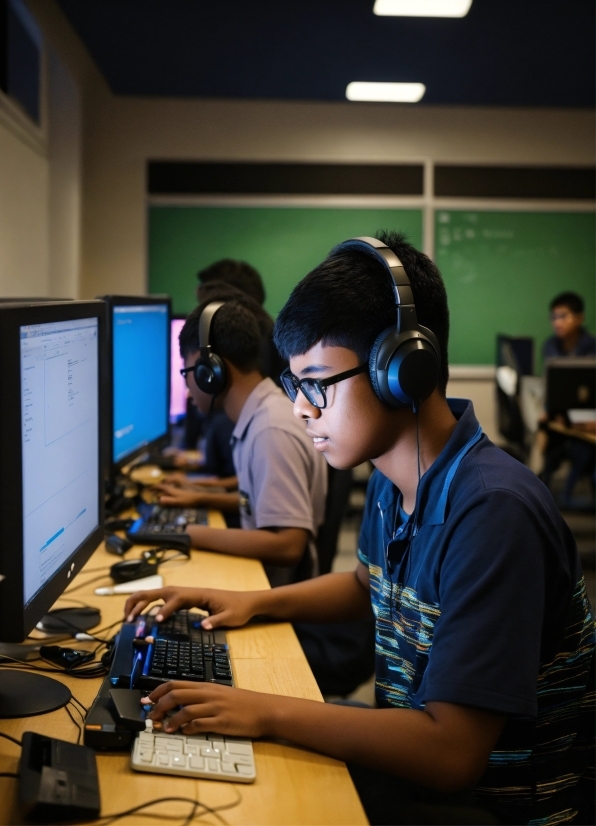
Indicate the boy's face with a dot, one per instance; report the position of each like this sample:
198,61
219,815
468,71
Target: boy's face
355,426
201,400
565,322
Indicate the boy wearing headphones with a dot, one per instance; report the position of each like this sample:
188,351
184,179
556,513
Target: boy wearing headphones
282,480
484,632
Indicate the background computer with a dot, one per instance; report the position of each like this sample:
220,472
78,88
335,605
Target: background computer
52,377
139,357
570,384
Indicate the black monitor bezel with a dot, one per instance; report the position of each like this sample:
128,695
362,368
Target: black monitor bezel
566,366
16,619
115,467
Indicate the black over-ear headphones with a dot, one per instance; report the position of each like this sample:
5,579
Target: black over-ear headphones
210,369
404,361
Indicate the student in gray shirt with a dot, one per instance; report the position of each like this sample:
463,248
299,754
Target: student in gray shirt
282,480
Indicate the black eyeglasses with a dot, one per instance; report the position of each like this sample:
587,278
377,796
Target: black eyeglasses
186,370
314,389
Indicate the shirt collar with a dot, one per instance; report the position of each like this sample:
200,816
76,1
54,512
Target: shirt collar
435,484
257,396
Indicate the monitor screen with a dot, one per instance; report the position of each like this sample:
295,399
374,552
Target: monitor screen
140,375
59,364
52,423
178,390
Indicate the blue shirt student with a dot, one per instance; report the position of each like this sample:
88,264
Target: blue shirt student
480,600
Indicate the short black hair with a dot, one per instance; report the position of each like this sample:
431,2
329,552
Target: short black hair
571,300
237,273
234,335
348,300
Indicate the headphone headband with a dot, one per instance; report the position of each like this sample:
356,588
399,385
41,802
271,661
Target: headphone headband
400,283
205,323
404,360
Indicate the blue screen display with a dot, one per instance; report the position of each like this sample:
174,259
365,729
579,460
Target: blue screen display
140,375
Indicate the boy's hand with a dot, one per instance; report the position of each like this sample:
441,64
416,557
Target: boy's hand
229,608
211,707
173,495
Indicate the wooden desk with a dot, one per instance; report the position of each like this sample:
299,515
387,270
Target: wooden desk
293,785
573,432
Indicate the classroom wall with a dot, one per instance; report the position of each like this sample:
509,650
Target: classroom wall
124,133
73,210
24,188
41,168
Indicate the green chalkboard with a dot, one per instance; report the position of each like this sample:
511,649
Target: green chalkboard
502,268
283,243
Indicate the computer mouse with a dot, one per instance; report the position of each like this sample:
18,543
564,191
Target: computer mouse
69,620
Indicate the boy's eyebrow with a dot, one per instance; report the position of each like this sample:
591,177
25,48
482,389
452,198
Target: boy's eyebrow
314,368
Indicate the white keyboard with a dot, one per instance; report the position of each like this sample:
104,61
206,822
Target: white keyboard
209,756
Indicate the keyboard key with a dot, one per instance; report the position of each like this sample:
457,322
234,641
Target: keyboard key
196,762
247,771
239,747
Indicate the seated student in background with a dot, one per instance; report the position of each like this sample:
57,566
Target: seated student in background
244,277
485,648
215,427
570,337
281,478
551,449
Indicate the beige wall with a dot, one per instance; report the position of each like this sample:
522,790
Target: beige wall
24,187
124,133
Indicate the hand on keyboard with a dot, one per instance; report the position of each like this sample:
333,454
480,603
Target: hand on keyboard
226,608
207,707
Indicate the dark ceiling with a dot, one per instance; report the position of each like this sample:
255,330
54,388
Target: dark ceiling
504,53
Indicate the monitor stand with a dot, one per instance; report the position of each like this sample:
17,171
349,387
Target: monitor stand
23,694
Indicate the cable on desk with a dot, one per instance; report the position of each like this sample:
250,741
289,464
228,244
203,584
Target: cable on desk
78,702
195,805
9,774
12,739
79,727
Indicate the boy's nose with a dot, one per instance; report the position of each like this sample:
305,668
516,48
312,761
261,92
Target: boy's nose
303,409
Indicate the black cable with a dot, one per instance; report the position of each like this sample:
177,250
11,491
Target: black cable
12,739
79,728
9,774
71,589
85,709
195,804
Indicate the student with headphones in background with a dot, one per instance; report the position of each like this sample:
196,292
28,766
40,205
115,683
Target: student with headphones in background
282,480
484,632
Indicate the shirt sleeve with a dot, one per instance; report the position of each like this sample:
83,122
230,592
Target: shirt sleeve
487,641
280,472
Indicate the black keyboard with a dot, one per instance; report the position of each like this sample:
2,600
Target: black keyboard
182,650
157,523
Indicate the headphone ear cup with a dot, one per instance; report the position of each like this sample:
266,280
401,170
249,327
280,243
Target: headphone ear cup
210,374
373,368
403,367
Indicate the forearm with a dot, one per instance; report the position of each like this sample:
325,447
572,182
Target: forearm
328,598
217,501
268,546
406,742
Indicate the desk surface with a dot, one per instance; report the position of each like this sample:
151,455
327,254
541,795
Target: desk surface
293,786
573,432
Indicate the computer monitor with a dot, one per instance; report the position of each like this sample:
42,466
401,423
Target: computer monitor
52,378
139,355
570,384
178,389
516,352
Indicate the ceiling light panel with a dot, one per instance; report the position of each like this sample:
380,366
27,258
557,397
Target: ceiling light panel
422,8
385,92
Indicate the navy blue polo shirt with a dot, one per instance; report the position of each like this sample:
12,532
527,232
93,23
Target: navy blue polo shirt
479,600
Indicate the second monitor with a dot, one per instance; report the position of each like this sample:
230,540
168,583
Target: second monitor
140,366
